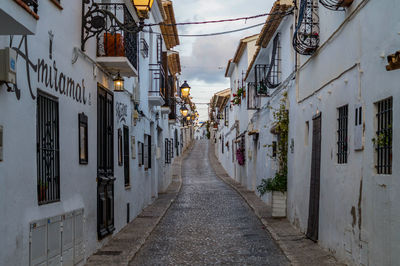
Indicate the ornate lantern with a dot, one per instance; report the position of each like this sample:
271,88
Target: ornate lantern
143,7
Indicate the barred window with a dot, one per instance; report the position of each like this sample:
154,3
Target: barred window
48,150
383,138
140,153
342,134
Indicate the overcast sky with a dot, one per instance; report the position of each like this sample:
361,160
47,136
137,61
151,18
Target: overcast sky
204,59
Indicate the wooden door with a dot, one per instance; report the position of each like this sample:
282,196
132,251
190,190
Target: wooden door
105,163
313,213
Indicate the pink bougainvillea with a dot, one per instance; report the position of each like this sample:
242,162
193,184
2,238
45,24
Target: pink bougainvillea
240,156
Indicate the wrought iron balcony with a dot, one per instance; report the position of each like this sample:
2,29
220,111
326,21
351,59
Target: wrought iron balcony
261,73
157,88
144,48
336,5
306,36
274,71
117,49
170,100
33,5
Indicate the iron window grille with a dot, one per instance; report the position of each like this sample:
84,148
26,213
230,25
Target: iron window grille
149,152
83,139
167,151
253,99
144,48
48,150
140,153
126,156
273,79
226,116
114,41
158,81
172,147
120,155
342,134
32,4
383,138
261,72
306,36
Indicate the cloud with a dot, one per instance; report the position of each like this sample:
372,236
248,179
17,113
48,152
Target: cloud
209,58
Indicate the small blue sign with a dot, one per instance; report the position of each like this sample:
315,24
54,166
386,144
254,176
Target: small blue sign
12,64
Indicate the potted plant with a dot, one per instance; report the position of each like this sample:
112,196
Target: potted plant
278,184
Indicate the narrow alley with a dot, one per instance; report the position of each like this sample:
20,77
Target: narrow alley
209,223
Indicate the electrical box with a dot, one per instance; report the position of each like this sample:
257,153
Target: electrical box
8,65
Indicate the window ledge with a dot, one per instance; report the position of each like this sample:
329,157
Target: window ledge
57,4
128,187
27,8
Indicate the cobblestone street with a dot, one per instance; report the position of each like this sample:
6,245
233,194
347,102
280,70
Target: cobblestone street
209,223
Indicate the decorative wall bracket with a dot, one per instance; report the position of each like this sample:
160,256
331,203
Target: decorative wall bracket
393,61
97,17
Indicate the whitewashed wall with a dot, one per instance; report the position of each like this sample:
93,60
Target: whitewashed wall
358,217
18,170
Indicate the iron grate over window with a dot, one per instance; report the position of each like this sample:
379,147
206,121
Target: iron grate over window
48,152
261,72
342,134
273,79
383,138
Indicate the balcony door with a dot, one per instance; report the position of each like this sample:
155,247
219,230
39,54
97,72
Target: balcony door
105,163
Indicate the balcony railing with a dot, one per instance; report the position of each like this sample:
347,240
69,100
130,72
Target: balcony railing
33,4
261,73
158,81
170,98
306,36
144,48
114,41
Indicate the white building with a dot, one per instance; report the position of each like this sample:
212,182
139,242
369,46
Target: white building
346,197
79,160
338,69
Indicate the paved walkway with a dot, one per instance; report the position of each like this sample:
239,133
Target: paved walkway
209,223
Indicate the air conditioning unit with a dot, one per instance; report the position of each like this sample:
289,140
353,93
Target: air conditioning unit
8,65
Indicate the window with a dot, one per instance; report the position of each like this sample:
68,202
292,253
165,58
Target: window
167,151
120,155
147,152
172,147
253,99
140,153
342,134
83,139
126,156
226,116
48,150
383,138
274,149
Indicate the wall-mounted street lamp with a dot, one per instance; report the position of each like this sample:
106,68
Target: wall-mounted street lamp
188,118
96,19
185,89
118,83
184,111
143,7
